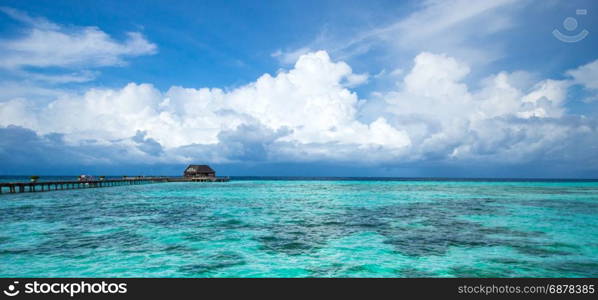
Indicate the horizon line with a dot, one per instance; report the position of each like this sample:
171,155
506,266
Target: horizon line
389,178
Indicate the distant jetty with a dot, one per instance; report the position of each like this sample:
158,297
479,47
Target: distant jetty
193,173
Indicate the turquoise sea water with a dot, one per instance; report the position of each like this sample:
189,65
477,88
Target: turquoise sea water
294,228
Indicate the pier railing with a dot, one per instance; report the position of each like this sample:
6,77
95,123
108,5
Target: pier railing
43,186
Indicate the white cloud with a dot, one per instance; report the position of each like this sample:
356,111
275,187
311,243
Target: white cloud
84,47
26,89
436,18
31,21
290,57
500,121
586,75
309,104
76,77
354,80
18,112
447,26
45,44
308,113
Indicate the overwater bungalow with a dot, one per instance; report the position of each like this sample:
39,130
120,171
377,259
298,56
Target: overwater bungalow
199,171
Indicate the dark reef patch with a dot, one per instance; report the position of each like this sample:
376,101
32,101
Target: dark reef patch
71,242
213,263
414,273
471,272
587,268
440,227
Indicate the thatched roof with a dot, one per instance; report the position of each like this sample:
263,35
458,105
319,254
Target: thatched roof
199,169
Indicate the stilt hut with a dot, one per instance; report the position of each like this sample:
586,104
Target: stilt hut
199,171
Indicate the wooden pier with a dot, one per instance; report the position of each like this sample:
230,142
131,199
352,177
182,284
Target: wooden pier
198,179
44,186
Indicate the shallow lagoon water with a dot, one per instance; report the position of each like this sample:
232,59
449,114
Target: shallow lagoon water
294,228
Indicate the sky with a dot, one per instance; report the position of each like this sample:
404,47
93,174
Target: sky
431,88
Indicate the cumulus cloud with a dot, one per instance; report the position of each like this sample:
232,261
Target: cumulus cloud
290,57
250,142
586,75
499,121
307,105
22,147
309,113
147,145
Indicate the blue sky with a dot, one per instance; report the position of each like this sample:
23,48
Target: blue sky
309,88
